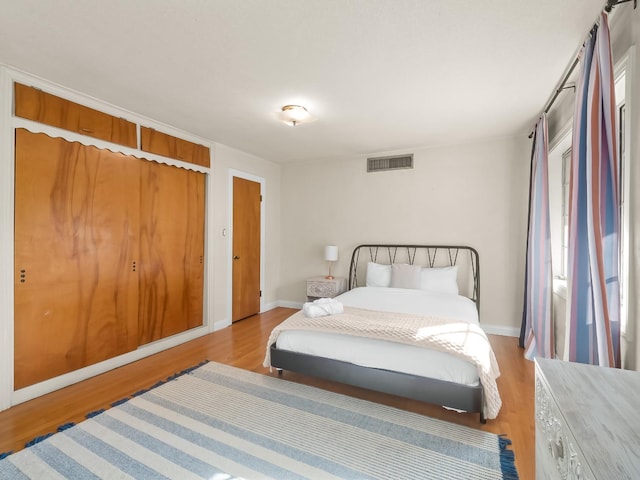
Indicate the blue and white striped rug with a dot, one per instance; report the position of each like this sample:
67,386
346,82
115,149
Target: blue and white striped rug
220,423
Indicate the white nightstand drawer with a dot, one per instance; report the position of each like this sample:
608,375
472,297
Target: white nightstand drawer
321,287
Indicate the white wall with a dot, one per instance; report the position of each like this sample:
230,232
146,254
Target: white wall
228,158
472,194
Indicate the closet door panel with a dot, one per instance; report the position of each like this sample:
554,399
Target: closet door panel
76,291
169,146
39,106
171,249
195,247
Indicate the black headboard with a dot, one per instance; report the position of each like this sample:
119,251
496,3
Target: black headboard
466,258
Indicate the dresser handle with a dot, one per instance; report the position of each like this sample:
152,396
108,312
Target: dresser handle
557,449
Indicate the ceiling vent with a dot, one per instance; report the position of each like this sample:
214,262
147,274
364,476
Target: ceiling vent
396,162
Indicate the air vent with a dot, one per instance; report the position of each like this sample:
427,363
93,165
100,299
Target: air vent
396,162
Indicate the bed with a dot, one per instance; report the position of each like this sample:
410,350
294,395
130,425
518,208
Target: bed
427,298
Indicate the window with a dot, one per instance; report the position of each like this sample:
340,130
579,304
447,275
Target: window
559,191
621,115
566,175
559,176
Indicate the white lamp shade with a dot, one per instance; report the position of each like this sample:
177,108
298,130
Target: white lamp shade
331,253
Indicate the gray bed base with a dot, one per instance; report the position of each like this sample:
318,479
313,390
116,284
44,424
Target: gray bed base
429,390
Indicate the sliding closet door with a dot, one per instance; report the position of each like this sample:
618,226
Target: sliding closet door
171,251
76,236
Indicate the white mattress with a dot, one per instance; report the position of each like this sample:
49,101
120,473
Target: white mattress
392,356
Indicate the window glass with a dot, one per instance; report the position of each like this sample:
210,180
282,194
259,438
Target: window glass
566,176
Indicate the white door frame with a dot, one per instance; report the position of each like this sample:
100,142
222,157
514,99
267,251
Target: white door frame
6,241
254,178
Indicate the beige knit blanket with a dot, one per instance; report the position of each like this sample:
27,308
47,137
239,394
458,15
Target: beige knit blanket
464,340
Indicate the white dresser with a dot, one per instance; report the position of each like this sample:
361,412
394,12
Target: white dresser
587,422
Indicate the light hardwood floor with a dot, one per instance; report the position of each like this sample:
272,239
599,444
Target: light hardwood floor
243,345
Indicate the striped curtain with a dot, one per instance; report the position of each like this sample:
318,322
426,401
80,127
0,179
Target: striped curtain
594,224
536,335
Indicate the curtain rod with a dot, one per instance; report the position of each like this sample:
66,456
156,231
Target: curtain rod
563,83
613,3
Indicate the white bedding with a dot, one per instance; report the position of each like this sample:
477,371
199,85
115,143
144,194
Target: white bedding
404,300
397,357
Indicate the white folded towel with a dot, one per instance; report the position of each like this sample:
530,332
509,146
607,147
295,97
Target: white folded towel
322,307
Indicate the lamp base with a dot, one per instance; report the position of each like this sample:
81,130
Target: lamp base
329,277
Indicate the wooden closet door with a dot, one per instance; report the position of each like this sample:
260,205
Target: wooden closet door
39,106
172,251
76,228
173,147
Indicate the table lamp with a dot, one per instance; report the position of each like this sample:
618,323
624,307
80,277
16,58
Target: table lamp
330,255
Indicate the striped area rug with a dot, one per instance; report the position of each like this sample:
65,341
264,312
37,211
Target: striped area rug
221,423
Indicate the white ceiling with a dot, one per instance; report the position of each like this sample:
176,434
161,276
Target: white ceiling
379,75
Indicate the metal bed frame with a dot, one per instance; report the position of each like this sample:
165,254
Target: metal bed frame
429,390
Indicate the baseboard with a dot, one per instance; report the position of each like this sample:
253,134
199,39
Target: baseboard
220,324
269,306
289,304
64,380
501,330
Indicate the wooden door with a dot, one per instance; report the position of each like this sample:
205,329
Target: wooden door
76,233
246,248
171,251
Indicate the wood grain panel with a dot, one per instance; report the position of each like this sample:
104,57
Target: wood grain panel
75,238
246,248
39,106
172,249
169,146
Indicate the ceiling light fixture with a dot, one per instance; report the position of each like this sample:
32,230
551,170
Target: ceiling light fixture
294,114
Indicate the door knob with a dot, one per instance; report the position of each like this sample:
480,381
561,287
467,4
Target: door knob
236,257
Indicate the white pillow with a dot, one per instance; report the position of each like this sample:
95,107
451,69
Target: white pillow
378,275
406,276
442,280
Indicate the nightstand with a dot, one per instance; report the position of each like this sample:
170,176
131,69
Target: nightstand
321,287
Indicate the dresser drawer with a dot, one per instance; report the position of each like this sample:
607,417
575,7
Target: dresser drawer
556,452
587,423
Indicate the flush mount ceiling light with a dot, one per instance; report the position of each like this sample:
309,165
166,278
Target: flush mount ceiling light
294,115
